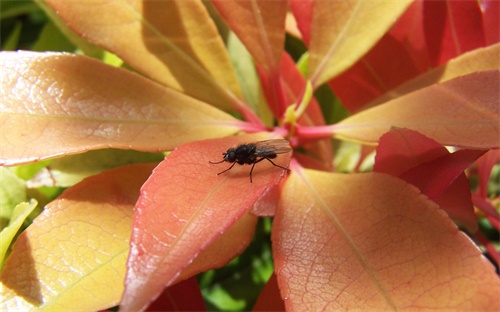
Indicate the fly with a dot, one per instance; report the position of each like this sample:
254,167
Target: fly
253,153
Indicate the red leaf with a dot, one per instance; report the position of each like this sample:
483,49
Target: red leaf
292,82
402,149
428,34
427,165
184,296
260,25
302,11
491,9
270,299
452,28
184,207
433,177
385,66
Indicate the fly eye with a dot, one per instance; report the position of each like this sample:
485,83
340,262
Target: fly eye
230,156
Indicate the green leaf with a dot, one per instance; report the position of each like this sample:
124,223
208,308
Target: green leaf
20,213
12,192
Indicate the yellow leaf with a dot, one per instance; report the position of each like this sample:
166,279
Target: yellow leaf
55,104
74,253
20,213
343,31
174,42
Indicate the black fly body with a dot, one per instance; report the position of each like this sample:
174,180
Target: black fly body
252,153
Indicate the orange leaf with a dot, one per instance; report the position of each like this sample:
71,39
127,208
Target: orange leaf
260,25
460,112
343,31
55,104
373,242
184,207
174,42
481,59
75,251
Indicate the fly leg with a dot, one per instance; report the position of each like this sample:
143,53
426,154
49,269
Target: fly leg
253,165
227,169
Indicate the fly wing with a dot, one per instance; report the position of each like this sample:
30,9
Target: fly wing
272,147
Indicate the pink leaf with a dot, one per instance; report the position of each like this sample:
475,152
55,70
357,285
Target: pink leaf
184,207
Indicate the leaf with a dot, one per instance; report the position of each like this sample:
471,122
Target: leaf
12,192
269,299
302,11
403,54
449,166
184,207
482,59
491,9
460,112
451,28
372,242
293,84
384,67
260,25
244,67
343,31
7,234
184,296
69,170
56,104
76,250
430,167
185,53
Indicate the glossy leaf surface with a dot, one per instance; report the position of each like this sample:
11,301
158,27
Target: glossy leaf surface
460,112
183,201
57,104
76,248
370,241
342,31
185,53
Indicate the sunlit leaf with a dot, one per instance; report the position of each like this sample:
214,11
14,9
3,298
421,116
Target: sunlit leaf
460,112
184,207
260,25
373,242
342,31
69,170
173,42
244,67
75,251
56,104
12,192
430,167
481,59
19,214
293,85
83,45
